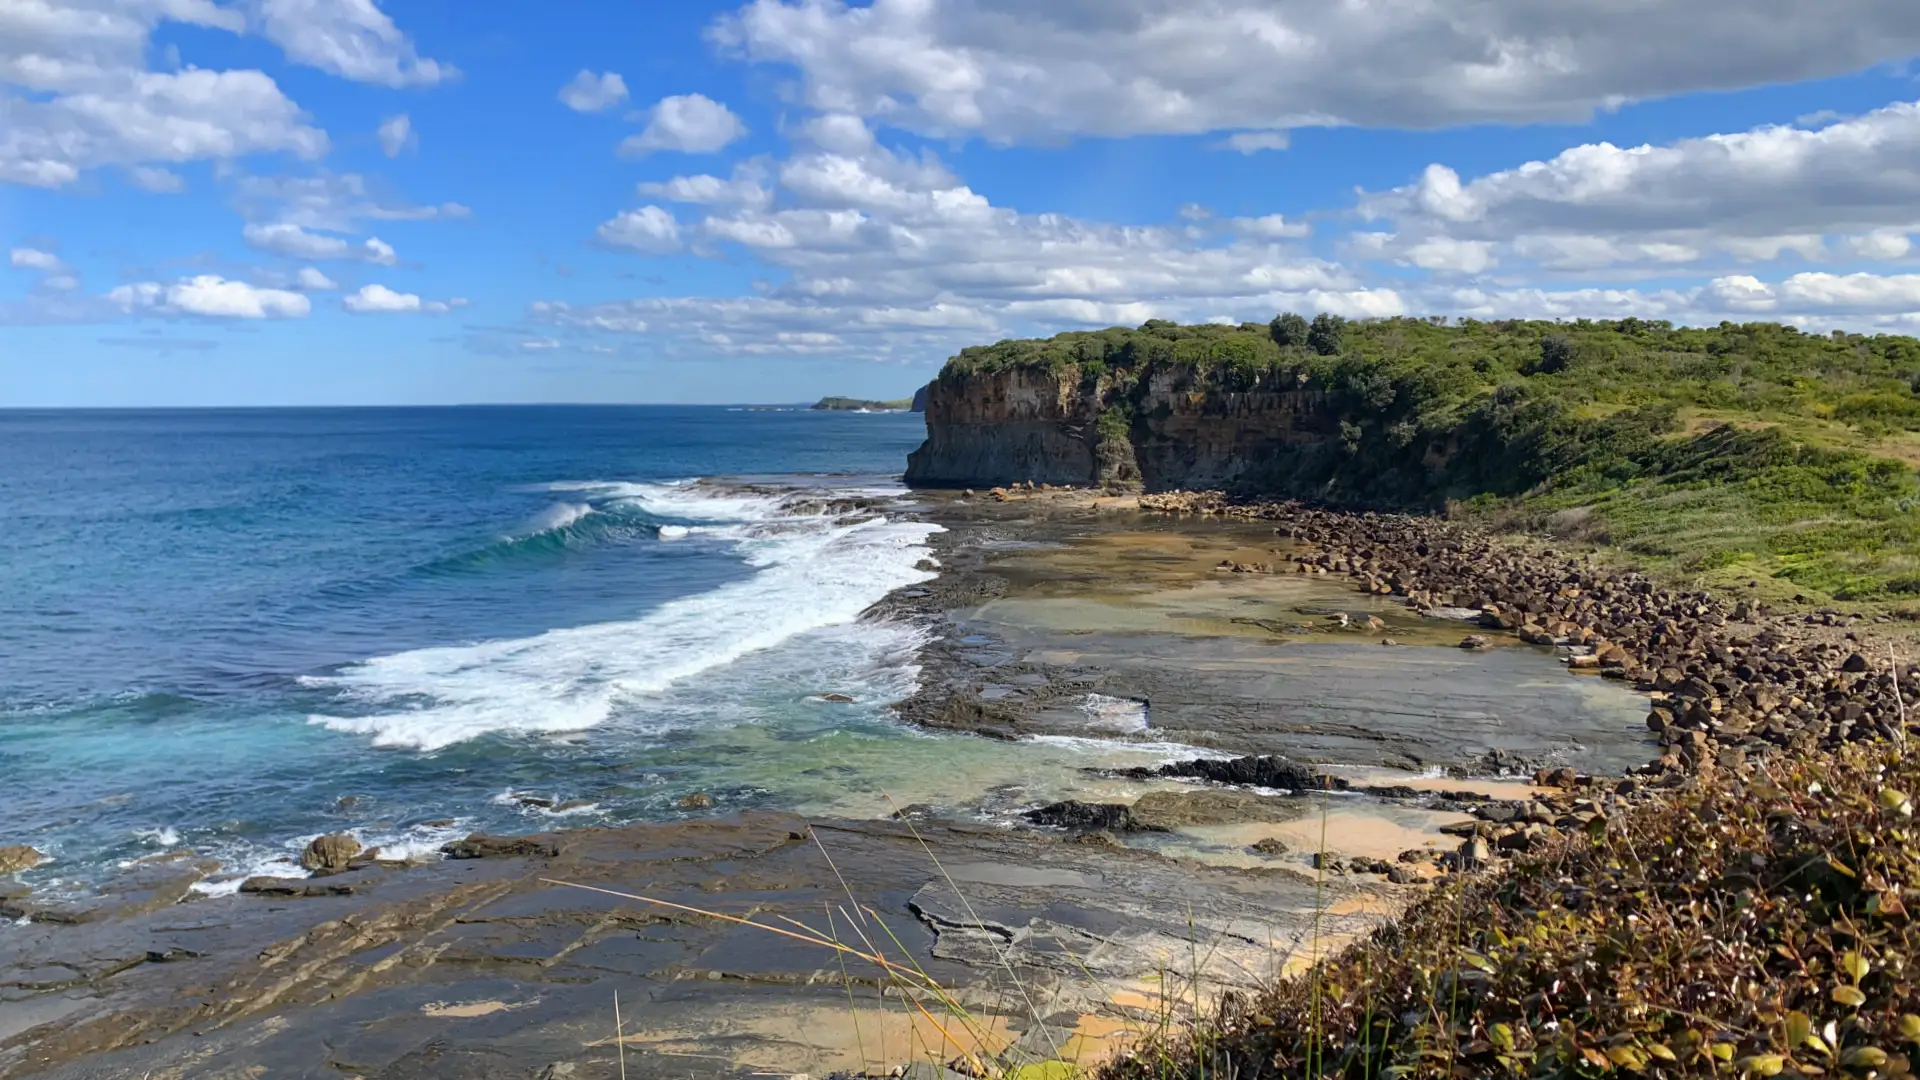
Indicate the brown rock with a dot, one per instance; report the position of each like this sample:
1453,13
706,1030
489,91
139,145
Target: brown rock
15,857
1270,846
1475,642
838,699
330,854
699,800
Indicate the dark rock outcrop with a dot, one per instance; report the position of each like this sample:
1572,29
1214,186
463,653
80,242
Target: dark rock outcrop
482,846
1025,425
1265,770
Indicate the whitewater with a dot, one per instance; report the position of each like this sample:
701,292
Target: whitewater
811,570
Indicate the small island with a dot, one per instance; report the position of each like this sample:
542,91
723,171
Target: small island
846,404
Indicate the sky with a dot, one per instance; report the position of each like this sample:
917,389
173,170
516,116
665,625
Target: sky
308,202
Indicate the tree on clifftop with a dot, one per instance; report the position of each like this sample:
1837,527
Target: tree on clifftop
1324,336
1288,329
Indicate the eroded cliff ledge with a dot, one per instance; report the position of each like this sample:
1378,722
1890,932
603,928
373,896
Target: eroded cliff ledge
1176,428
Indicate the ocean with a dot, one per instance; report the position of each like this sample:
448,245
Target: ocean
233,630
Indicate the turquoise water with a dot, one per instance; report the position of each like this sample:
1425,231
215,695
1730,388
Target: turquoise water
233,630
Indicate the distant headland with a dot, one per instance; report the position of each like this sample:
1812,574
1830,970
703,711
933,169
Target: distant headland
916,403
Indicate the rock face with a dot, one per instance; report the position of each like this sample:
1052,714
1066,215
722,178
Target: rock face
1177,431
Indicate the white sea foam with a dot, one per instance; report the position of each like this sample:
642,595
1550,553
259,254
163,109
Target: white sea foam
1115,714
165,836
557,517
673,532
814,571
1165,753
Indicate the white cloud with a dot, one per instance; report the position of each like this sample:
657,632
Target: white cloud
350,38
378,299
156,180
332,202
591,93
46,262
748,187
396,134
886,254
211,296
1751,196
1881,244
296,242
689,123
1040,69
312,280
648,229
61,282
127,118
1252,142
1271,227
1445,253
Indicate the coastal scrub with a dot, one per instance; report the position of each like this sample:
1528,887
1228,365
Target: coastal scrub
1742,452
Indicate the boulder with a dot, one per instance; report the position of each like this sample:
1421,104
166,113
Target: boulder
16,857
1475,643
699,800
1270,847
330,854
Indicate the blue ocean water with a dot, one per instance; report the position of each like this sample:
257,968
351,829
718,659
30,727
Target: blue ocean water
232,630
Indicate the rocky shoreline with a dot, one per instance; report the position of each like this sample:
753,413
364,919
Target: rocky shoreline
1731,682
511,974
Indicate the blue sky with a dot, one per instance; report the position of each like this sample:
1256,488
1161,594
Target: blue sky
218,202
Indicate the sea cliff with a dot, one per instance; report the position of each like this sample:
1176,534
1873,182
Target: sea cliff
1177,428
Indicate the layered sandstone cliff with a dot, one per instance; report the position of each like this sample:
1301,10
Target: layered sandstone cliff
1170,429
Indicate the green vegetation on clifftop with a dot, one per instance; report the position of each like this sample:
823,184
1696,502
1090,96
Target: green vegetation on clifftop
1728,454
847,404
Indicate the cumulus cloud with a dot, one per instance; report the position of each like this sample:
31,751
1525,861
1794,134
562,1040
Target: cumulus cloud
1041,69
124,118
588,92
297,242
210,296
350,38
396,134
689,123
747,187
1751,196
380,300
46,262
1271,227
312,280
648,229
887,254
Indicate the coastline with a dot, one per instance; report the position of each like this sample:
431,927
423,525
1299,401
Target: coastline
453,940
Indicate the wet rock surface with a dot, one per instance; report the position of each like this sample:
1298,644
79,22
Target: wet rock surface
1273,671
489,967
